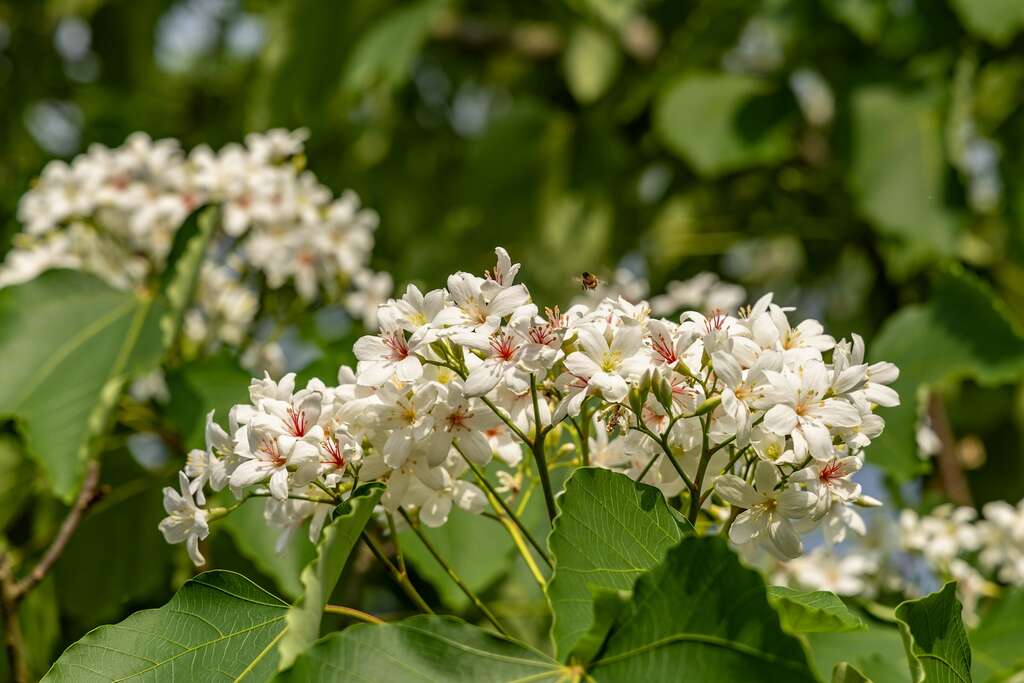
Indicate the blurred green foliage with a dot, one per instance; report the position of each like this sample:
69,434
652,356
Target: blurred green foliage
861,158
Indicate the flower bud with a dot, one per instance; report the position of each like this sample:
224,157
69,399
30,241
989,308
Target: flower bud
708,405
663,392
683,369
636,401
866,501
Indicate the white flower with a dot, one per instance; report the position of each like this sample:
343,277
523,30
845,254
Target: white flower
802,411
461,421
186,522
604,366
390,355
270,456
768,512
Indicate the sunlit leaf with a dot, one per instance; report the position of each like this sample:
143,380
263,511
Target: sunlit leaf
219,625
700,615
934,637
422,649
591,63
609,530
812,612
997,21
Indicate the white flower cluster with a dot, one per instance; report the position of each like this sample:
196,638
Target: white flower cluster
743,413
115,213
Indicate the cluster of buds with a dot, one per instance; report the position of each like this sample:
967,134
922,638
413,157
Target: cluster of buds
744,419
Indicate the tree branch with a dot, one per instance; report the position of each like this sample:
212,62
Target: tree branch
86,497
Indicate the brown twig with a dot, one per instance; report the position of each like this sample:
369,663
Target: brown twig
86,497
14,640
951,475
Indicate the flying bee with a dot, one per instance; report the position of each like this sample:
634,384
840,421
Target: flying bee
589,281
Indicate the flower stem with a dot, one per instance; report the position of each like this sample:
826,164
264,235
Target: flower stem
398,577
482,478
352,612
702,468
452,575
537,446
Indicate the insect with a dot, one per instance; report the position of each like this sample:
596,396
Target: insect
588,280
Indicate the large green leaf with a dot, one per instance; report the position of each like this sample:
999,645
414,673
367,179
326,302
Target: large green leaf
479,569
422,649
877,652
609,530
69,342
898,171
844,672
934,637
812,612
996,642
320,576
700,615
219,625
724,122
969,334
997,21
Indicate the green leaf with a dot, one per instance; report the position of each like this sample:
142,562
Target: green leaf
898,170
609,606
844,672
609,530
934,637
812,612
996,642
320,576
996,21
723,122
701,615
866,18
257,541
219,625
479,569
384,55
93,588
69,343
15,478
183,268
422,649
877,652
214,383
591,62
614,13
970,334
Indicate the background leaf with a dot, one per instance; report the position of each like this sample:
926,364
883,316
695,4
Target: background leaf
218,625
422,649
934,637
70,342
721,122
898,178
609,530
995,642
969,334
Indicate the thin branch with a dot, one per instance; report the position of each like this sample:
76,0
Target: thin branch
352,612
951,475
86,497
14,640
398,577
456,579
